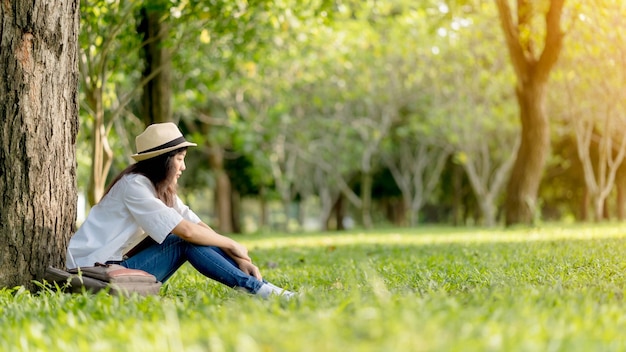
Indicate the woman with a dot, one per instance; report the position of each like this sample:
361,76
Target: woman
141,223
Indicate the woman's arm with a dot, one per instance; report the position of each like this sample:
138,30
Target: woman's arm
245,264
202,234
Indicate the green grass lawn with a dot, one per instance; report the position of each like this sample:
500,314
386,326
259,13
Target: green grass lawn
428,289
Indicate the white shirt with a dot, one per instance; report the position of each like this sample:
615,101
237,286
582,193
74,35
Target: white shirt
125,216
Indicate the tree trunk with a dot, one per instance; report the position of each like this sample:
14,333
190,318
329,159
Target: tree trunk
396,212
339,211
531,157
156,98
300,213
222,190
101,155
532,68
606,212
263,211
38,128
235,206
457,196
620,198
366,195
336,216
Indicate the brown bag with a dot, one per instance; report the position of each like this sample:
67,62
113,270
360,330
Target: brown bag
117,279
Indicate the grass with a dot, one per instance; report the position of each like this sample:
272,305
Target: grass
428,289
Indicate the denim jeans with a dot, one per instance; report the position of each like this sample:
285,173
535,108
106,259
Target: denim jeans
162,260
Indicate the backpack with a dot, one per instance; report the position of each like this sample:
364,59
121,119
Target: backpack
118,280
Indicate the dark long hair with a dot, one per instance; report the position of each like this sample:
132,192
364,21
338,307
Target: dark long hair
160,171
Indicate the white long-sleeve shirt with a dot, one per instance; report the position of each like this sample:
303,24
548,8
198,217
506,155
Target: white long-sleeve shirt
123,218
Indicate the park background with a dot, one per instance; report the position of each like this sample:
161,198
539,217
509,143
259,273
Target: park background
378,112
475,148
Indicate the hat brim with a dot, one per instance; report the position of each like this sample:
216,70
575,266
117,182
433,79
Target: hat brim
145,156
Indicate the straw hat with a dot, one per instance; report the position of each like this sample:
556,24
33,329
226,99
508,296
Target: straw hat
158,139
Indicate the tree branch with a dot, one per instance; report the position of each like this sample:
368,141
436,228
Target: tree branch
554,40
511,35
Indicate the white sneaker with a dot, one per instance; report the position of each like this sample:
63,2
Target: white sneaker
269,289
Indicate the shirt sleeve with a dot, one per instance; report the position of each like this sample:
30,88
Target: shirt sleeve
185,211
151,214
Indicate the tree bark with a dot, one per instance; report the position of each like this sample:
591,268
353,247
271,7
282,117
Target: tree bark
532,69
531,157
38,128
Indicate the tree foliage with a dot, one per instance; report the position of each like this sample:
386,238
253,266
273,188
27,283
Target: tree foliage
321,97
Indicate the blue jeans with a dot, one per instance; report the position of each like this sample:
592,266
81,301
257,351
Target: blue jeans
162,260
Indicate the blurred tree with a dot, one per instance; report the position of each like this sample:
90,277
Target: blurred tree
218,89
108,71
154,27
599,120
475,105
532,65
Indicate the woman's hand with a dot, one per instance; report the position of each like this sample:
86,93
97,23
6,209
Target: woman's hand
250,269
238,252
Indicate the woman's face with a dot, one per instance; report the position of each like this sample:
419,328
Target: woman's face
178,163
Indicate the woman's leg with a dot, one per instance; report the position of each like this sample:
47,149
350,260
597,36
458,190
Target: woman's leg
212,262
162,260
